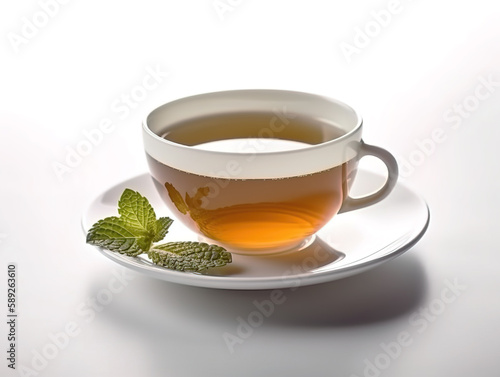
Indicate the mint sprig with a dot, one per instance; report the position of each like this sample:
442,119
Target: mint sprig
137,230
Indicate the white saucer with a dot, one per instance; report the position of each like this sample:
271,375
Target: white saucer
349,244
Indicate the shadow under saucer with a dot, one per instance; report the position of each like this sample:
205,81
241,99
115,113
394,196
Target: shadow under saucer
389,291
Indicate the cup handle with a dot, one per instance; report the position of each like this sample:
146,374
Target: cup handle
388,159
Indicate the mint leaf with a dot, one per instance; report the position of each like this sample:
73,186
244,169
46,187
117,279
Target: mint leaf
113,234
136,211
189,256
134,232
161,228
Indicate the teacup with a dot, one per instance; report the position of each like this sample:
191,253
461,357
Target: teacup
259,171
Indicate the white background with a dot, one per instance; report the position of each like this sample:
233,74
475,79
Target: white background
62,80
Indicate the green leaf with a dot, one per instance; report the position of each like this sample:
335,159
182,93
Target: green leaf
161,228
189,256
137,228
136,212
113,234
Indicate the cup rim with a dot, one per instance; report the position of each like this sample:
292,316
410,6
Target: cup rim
147,129
153,141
